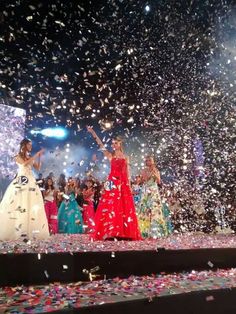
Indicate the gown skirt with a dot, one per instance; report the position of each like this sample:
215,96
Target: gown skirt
115,217
22,212
70,219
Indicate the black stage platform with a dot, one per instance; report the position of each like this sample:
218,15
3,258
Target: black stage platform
221,302
45,268
29,268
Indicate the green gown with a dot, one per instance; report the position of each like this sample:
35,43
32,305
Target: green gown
153,214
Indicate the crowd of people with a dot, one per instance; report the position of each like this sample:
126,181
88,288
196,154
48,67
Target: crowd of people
119,208
71,204
114,209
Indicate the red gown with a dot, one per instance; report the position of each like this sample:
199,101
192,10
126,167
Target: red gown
115,216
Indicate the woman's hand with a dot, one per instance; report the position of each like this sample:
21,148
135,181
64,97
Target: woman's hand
40,152
37,164
155,172
90,129
99,142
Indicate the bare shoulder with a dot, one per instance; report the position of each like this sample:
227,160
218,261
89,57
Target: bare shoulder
19,159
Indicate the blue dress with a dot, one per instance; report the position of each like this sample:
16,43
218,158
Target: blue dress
69,216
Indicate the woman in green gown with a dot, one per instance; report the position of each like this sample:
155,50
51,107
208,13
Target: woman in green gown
153,214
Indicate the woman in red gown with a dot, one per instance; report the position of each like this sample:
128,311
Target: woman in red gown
115,217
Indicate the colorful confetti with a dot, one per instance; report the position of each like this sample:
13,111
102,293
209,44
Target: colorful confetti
47,298
160,73
81,243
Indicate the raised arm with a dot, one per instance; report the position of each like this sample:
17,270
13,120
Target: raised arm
99,142
37,164
23,162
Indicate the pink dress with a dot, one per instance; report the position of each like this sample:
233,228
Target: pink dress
88,212
51,212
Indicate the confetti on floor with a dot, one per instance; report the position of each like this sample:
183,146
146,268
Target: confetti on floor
81,243
46,298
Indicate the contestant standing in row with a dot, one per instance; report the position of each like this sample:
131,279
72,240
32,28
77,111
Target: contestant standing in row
50,202
70,219
153,214
115,217
88,206
22,208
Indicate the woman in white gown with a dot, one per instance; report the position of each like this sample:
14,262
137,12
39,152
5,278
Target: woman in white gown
22,211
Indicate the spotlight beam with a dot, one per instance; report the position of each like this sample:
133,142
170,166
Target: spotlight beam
59,133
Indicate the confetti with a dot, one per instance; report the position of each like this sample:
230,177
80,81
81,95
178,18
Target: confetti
45,298
82,243
169,90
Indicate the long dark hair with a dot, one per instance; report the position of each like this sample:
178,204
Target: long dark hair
62,182
46,185
91,181
22,151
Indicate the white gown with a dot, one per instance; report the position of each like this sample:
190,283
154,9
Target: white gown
22,210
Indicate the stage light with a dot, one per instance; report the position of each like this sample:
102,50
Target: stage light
59,133
147,8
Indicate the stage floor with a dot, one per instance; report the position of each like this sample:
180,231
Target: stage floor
197,271
58,296
81,243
